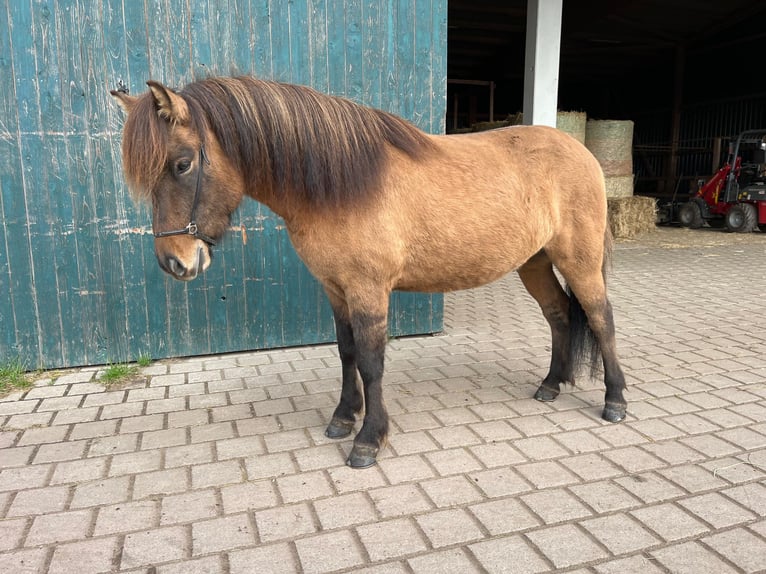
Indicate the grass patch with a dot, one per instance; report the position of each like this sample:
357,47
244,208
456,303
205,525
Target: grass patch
144,361
13,376
118,372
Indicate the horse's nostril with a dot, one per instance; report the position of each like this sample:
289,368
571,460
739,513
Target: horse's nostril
175,267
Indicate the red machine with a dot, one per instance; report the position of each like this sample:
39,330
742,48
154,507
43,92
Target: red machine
738,194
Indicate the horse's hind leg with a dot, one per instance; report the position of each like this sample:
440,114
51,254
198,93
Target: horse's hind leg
591,315
540,281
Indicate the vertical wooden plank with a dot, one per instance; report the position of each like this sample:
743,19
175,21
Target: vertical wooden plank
10,171
279,13
300,69
353,48
336,48
262,63
372,52
318,48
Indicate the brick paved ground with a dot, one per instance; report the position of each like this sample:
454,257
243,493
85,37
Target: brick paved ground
219,464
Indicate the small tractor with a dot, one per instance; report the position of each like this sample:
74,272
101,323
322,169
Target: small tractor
737,192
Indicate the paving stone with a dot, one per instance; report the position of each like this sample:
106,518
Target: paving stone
407,468
53,434
142,423
79,470
453,561
97,493
85,557
504,516
604,496
169,481
399,500
391,539
620,533
59,527
29,561
638,564
263,558
188,455
717,510
329,552
135,462
127,517
691,558
740,547
451,491
566,545
221,534
18,456
304,486
154,546
163,438
670,521
499,482
251,495
217,474
39,501
207,565
448,527
24,477
649,487
269,465
284,522
546,474
345,510
555,505
189,506
494,555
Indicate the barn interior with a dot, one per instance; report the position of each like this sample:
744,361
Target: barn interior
687,73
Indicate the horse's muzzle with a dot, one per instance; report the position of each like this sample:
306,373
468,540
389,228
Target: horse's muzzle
185,269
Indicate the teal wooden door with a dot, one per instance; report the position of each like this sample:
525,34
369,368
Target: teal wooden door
78,277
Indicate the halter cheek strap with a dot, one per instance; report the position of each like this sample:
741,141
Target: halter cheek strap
192,228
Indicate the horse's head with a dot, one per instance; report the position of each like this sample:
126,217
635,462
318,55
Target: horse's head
171,158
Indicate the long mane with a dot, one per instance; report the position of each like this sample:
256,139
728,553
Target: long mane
287,138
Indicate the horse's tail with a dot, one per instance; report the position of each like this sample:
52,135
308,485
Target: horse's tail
582,341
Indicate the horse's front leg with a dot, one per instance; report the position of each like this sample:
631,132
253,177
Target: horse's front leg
351,401
370,336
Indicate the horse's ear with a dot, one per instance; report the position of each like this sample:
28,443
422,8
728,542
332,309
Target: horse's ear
169,105
126,102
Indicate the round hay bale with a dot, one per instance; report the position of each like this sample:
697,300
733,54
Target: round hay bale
572,123
612,144
631,216
619,186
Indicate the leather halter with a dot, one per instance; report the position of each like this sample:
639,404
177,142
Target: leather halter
192,228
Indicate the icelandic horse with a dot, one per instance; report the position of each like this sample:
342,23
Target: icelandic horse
373,204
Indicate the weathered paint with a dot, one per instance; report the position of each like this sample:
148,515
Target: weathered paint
77,268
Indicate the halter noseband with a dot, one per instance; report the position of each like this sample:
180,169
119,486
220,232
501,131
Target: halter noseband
191,228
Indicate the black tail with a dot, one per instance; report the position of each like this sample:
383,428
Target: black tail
583,344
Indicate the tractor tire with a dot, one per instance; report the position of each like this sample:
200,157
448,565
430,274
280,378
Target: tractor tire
741,218
690,215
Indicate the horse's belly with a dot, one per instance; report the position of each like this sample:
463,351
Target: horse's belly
457,272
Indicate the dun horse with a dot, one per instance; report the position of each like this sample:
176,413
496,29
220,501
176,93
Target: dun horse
373,204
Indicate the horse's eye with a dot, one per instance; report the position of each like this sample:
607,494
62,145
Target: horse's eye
183,166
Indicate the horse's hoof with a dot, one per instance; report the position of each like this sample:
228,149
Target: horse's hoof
546,394
614,413
362,456
338,428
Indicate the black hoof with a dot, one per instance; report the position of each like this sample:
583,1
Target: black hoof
546,394
362,456
614,413
339,428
